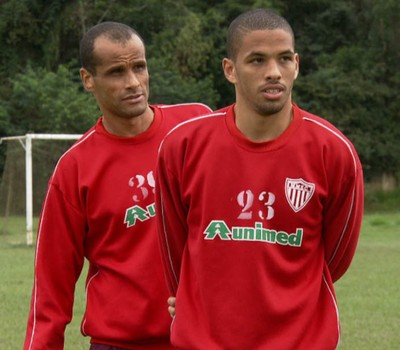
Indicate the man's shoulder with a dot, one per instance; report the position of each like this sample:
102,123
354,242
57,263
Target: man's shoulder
203,123
326,133
196,128
320,124
80,148
175,114
190,109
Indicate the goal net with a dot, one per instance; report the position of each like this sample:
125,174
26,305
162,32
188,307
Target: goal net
29,162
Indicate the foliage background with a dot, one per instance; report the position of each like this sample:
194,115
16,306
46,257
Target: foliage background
349,63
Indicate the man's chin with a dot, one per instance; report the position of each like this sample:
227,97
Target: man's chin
271,109
136,112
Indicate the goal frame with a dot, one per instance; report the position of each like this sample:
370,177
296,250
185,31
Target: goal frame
26,142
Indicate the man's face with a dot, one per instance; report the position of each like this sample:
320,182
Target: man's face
264,71
121,82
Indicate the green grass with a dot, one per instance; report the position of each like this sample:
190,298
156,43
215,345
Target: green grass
16,271
368,295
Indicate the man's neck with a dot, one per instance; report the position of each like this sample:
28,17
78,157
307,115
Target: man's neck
262,128
128,127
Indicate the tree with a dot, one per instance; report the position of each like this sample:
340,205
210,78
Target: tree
42,101
354,83
349,53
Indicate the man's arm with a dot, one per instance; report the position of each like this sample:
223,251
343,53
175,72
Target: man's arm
343,217
58,264
171,217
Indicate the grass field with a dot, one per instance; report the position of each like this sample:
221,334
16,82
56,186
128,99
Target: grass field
368,295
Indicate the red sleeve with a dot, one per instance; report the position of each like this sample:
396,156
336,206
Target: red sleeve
343,215
171,217
58,264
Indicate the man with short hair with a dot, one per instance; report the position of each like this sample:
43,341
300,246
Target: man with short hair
100,206
260,207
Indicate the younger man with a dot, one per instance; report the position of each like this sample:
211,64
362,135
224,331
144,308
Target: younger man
260,207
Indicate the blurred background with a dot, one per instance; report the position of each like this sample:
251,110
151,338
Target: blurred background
349,74
349,64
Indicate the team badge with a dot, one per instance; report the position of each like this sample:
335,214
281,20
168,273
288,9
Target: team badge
298,193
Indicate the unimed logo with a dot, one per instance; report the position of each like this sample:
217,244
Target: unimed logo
257,233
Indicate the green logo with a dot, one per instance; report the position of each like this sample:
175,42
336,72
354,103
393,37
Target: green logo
255,234
136,212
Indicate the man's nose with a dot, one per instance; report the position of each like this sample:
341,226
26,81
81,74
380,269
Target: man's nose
272,71
132,80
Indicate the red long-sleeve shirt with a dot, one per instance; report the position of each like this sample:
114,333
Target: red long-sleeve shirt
100,206
253,235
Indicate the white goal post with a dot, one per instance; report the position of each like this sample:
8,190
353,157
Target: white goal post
26,142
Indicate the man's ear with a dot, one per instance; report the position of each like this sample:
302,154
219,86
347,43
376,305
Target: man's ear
229,70
297,60
87,79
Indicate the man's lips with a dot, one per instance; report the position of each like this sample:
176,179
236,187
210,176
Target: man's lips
134,97
272,91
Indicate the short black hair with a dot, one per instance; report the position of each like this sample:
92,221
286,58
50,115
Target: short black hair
258,19
117,32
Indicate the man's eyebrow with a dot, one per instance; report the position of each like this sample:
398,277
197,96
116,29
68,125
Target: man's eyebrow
287,52
115,66
256,53
263,54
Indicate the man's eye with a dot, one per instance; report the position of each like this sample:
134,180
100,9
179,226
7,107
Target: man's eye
257,60
139,67
286,58
117,71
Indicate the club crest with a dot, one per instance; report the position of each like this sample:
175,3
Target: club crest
298,193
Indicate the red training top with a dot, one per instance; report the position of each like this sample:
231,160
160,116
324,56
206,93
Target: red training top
253,235
100,206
